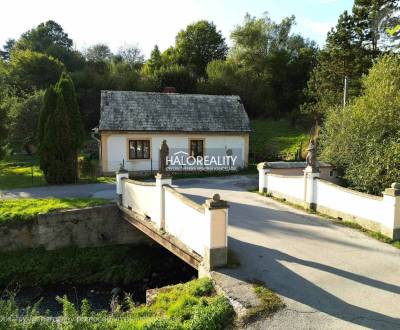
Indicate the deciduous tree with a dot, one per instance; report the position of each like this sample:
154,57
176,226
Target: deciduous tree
363,137
199,44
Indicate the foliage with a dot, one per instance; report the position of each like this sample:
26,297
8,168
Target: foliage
367,14
192,305
97,76
199,44
273,140
131,55
363,138
3,107
60,133
50,39
114,265
343,55
176,76
23,117
98,53
5,53
267,66
26,209
154,63
30,70
350,50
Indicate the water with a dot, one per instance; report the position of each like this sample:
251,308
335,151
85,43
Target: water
100,295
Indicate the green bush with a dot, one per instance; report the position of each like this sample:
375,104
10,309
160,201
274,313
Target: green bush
363,138
176,308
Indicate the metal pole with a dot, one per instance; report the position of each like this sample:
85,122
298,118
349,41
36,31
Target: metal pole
345,91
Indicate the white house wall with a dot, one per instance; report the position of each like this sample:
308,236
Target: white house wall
115,148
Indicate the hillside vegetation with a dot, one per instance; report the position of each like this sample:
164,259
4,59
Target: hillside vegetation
275,140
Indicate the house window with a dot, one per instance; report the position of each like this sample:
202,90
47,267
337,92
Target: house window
196,148
139,149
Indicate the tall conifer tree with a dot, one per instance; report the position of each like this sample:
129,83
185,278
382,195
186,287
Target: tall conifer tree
60,132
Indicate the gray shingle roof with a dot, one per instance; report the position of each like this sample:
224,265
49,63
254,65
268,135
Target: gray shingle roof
143,111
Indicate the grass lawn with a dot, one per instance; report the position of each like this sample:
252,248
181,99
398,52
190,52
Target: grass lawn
19,173
24,172
275,139
25,209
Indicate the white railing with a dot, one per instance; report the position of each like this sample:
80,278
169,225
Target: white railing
186,220
139,197
292,186
201,228
374,212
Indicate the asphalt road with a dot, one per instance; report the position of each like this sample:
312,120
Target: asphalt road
330,276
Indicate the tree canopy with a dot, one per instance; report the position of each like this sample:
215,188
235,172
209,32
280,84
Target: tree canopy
349,52
363,137
199,44
268,66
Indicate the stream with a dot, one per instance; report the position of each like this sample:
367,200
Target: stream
100,295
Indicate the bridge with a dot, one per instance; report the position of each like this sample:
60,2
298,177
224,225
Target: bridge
195,233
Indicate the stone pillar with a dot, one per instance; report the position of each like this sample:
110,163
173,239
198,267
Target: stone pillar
216,248
310,174
161,180
391,198
121,174
263,170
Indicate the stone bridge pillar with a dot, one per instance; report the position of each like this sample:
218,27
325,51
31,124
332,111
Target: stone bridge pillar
161,180
216,251
310,174
121,174
391,198
263,170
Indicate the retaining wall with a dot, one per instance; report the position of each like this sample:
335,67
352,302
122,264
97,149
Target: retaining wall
87,227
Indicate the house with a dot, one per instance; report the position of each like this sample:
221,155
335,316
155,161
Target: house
203,132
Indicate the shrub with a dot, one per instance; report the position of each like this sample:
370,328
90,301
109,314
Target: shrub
364,137
200,313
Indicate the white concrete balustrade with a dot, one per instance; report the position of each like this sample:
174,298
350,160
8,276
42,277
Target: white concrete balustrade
378,213
140,197
201,228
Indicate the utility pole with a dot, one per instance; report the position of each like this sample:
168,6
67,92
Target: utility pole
345,90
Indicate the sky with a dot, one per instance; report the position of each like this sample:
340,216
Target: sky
149,22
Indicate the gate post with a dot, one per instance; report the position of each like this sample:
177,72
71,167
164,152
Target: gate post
310,174
391,198
121,174
263,170
216,249
161,180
